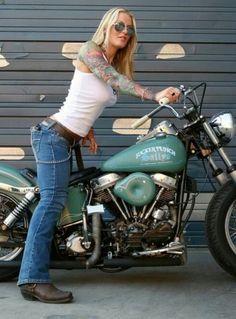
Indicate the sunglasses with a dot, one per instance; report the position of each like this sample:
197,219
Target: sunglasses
120,26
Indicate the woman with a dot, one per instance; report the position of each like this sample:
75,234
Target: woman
104,67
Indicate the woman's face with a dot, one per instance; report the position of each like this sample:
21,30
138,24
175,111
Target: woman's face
121,31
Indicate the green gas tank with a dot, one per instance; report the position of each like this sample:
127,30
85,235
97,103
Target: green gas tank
164,153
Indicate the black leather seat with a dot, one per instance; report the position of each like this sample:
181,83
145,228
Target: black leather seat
76,177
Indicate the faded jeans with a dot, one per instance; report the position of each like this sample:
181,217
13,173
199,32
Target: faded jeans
52,153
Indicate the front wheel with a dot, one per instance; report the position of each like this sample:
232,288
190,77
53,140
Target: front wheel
221,227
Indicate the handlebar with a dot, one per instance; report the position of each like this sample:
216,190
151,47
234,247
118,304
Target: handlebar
164,103
139,122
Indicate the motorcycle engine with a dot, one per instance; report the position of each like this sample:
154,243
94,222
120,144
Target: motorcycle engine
138,237
139,215
137,189
148,204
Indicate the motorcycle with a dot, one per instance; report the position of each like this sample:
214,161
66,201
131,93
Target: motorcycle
132,211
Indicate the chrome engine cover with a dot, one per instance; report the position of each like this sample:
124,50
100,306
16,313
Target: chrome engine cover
164,181
74,243
102,182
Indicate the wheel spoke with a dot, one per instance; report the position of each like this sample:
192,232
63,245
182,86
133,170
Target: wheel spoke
230,226
233,236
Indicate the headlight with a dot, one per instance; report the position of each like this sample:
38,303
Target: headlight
223,125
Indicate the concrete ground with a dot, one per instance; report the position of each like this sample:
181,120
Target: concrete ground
200,289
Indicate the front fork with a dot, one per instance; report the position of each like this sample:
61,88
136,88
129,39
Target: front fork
218,173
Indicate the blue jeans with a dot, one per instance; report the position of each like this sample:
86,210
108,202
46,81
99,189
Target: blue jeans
52,153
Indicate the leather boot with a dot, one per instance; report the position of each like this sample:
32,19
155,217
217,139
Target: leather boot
45,293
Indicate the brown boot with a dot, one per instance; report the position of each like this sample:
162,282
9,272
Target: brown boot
45,293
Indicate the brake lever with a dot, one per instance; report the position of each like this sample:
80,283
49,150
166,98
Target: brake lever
176,114
165,103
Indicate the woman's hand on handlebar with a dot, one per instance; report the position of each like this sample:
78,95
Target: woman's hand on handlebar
171,93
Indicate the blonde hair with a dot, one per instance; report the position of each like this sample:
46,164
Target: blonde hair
123,61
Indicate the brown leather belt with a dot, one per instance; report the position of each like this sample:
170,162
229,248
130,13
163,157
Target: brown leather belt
61,130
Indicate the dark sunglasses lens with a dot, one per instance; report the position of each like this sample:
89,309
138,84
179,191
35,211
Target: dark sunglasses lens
130,31
119,26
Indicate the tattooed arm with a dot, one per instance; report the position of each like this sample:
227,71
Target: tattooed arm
92,56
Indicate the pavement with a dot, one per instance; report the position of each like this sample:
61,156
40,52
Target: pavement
200,289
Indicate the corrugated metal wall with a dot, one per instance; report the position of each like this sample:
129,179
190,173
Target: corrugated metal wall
180,42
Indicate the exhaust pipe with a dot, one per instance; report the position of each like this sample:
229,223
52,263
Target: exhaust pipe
92,260
111,263
144,262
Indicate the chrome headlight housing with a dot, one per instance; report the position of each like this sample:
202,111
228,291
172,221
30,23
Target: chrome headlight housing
224,126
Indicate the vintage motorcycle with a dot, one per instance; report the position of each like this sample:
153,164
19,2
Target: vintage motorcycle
132,211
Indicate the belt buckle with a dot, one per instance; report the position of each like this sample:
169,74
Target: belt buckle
48,123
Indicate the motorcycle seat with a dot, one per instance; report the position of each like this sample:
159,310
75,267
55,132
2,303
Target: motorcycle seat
76,177
83,175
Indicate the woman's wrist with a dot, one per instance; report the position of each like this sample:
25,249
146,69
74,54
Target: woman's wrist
157,97
147,95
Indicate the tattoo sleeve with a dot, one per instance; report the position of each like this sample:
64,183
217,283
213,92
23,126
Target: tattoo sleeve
91,55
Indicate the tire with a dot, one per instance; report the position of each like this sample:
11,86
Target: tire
221,227
12,240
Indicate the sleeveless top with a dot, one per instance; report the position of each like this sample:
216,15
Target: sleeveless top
87,97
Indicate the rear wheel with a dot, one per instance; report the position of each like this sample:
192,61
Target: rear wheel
11,240
221,227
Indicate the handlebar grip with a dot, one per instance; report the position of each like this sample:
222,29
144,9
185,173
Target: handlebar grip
164,101
139,122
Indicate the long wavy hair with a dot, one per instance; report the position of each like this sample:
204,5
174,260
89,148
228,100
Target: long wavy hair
123,60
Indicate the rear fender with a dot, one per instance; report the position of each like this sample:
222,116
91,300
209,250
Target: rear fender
13,182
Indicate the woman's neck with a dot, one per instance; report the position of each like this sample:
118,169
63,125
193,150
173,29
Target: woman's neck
109,53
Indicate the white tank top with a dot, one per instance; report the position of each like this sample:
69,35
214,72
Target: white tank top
88,96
